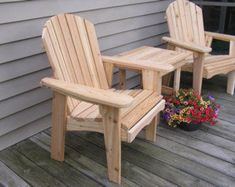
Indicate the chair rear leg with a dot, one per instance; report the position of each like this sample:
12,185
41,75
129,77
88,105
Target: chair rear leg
112,138
231,83
59,113
122,74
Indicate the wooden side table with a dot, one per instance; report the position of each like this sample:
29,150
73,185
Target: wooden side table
163,60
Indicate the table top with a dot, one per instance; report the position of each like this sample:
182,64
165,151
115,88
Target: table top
153,57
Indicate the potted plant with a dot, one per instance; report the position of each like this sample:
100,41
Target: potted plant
187,110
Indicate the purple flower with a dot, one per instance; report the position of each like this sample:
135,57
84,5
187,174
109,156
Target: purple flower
166,116
177,111
211,98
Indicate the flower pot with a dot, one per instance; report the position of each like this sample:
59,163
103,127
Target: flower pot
189,126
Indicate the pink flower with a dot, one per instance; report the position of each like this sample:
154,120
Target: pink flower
185,102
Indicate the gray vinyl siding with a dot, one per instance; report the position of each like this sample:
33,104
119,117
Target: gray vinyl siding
120,24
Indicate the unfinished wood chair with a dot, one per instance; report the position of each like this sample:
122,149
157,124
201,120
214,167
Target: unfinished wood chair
185,22
82,97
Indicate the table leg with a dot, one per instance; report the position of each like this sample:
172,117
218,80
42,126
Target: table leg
177,79
198,71
122,81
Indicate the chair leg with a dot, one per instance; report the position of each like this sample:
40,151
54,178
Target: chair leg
231,83
198,72
167,79
177,79
122,81
112,138
151,129
59,112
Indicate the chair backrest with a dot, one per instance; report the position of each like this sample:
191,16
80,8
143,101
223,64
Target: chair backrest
185,22
72,48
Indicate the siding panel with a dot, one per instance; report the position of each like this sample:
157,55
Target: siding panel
37,9
121,25
23,117
23,66
33,28
128,24
22,84
150,41
22,101
21,49
134,35
24,132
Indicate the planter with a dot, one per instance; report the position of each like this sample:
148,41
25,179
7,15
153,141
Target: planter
188,105
189,126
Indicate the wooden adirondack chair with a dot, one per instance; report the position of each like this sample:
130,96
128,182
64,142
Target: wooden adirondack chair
185,22
82,97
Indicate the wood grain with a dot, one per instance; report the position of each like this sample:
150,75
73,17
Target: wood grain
231,75
59,113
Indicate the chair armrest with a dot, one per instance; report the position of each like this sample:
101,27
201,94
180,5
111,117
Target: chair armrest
138,64
88,94
219,36
187,45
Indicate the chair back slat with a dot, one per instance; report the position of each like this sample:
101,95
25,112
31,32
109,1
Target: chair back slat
72,48
185,22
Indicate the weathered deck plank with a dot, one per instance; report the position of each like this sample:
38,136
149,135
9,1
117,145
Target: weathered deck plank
82,163
97,153
156,167
224,129
61,170
197,156
9,178
210,138
27,170
208,148
198,170
136,174
227,112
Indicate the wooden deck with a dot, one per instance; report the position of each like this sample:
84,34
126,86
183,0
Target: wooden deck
202,158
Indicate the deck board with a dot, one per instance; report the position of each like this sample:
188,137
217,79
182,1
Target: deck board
202,158
27,169
9,178
226,130
202,146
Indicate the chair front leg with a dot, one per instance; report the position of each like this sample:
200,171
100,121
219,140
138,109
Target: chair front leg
151,130
152,81
59,115
112,138
231,75
231,83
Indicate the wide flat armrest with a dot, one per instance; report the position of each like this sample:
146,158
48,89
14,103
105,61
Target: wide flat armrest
187,45
219,36
88,94
138,64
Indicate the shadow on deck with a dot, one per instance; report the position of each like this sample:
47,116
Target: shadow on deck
202,158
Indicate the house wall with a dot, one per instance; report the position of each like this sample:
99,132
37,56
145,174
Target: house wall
121,25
